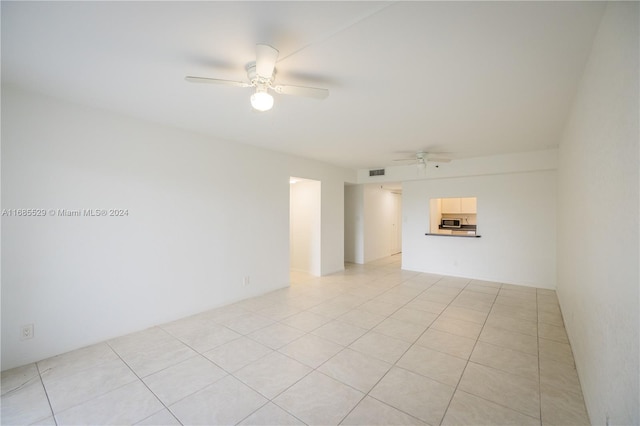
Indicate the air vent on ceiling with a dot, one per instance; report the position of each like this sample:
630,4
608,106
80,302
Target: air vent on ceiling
377,172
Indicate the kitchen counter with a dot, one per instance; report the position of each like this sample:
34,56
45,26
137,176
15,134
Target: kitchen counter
462,228
465,231
460,235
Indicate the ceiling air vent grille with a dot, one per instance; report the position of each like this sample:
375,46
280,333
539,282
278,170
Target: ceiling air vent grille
377,172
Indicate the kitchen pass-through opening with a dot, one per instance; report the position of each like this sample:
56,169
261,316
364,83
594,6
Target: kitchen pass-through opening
454,216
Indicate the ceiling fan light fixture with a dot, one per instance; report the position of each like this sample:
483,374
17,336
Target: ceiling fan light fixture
261,100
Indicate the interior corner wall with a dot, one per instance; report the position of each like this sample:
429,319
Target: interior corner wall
304,218
598,237
201,215
516,220
353,224
332,225
332,218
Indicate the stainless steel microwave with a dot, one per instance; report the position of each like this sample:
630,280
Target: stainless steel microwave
451,223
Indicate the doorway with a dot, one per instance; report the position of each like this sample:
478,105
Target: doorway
372,221
304,226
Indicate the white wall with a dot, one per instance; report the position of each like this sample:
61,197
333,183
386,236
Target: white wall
598,256
353,223
202,215
516,216
516,221
304,219
332,225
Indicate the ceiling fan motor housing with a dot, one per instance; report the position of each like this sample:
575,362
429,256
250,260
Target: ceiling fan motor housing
256,79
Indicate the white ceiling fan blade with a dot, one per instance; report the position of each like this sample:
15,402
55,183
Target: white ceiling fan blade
266,57
439,160
405,159
192,79
309,92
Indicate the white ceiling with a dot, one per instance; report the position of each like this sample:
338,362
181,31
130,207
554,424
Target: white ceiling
470,78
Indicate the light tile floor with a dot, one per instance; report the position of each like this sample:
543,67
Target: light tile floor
371,345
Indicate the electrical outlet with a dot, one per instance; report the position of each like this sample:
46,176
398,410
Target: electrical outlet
26,332
245,281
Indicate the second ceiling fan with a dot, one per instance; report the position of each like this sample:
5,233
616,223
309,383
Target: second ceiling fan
421,157
261,75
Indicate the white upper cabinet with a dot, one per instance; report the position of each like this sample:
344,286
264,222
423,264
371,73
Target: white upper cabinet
451,205
459,205
468,205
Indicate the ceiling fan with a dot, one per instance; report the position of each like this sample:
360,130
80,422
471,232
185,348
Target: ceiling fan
261,75
421,157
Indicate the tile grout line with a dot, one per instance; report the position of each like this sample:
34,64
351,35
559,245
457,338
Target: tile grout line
269,401
70,374
145,385
444,414
53,414
231,373
272,399
469,360
493,368
228,373
410,346
316,369
312,368
477,340
367,394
